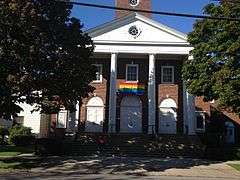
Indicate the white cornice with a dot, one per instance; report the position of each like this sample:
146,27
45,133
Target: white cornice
148,43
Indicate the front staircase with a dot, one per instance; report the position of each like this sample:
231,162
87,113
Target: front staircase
136,145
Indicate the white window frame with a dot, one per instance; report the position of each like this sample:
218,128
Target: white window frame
203,114
126,75
173,79
101,74
64,122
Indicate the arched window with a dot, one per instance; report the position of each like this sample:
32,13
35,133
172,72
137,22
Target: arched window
167,116
168,103
95,115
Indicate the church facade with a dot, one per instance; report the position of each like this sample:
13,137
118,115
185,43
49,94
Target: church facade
138,85
139,88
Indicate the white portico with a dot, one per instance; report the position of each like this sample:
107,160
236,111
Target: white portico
137,35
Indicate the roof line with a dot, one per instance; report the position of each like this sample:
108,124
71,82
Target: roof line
141,18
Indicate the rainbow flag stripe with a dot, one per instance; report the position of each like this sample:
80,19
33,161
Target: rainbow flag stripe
131,88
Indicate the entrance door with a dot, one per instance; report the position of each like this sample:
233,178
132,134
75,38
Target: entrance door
95,109
167,117
131,115
230,133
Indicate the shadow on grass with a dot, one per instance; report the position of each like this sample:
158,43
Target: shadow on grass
12,148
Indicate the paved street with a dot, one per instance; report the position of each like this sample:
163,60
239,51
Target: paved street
87,168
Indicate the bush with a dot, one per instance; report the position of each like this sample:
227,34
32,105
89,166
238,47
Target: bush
20,136
3,133
48,146
223,153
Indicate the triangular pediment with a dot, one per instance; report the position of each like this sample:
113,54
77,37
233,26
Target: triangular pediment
149,31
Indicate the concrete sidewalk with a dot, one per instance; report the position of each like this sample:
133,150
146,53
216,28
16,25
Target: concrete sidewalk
126,167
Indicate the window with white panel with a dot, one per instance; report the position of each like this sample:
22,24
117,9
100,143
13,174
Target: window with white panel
167,76
132,72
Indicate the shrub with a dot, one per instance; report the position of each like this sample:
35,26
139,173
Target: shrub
223,153
49,146
20,135
3,133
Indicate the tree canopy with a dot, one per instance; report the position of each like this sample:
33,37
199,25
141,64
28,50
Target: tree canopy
44,56
214,71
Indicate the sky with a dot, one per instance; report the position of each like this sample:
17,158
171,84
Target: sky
92,17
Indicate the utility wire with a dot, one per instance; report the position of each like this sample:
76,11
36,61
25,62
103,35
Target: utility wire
147,11
229,1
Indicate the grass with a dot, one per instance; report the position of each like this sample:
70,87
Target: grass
18,163
14,150
4,165
9,159
235,166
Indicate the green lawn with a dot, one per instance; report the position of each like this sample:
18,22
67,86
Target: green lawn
235,166
9,159
4,165
14,150
18,163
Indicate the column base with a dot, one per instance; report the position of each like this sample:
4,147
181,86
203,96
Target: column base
151,129
112,129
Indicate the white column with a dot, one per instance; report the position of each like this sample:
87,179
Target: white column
191,114
113,95
151,95
189,110
77,114
185,110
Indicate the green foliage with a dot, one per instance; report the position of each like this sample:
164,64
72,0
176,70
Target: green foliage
3,133
44,56
215,70
20,135
223,153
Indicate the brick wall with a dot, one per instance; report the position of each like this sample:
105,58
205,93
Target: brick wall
201,105
101,90
144,4
44,125
173,91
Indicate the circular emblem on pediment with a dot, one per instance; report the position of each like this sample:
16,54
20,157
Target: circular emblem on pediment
134,31
134,2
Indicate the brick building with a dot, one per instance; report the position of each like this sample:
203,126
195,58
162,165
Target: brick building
139,87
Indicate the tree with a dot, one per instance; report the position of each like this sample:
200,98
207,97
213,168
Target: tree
214,71
44,56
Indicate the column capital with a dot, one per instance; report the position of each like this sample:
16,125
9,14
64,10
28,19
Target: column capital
152,54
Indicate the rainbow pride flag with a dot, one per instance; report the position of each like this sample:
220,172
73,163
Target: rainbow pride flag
131,88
